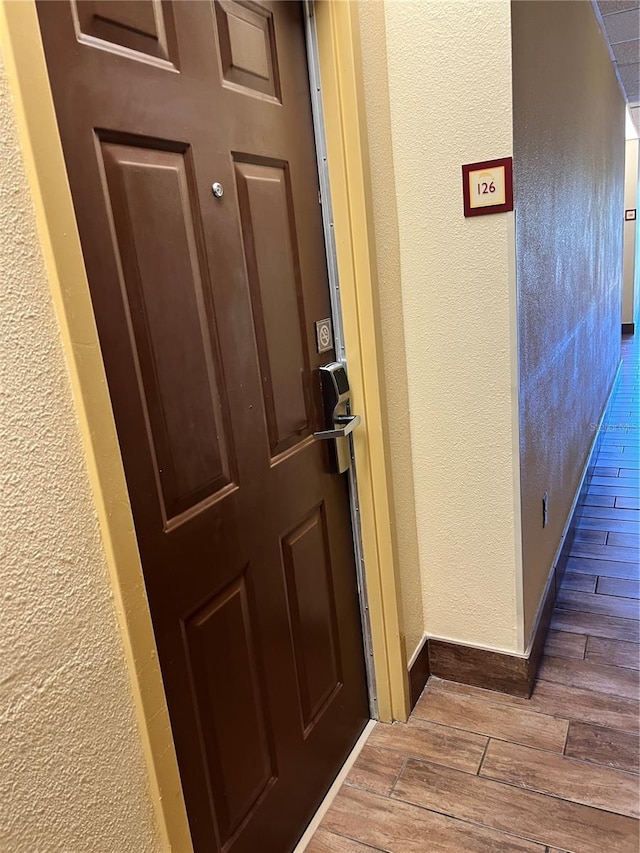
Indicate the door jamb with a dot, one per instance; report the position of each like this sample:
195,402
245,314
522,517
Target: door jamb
340,65
339,61
313,63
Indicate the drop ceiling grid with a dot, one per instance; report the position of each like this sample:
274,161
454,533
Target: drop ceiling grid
621,27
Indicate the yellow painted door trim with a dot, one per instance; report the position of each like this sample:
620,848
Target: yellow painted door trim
348,159
337,41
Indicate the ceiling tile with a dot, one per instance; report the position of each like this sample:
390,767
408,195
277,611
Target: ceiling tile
630,75
635,117
609,7
626,52
623,26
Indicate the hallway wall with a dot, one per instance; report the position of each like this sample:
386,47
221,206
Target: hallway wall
437,81
72,772
569,159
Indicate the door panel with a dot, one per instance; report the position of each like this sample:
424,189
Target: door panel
247,48
122,26
205,309
267,221
312,615
237,734
150,196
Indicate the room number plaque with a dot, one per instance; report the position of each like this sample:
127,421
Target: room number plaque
487,187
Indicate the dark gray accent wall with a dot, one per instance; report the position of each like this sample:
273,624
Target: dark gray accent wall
568,182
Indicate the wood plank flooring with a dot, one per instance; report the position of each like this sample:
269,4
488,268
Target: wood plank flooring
475,771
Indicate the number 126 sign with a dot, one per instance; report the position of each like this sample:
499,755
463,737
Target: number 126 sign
487,187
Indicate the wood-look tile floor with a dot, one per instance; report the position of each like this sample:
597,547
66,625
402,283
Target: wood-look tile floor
480,772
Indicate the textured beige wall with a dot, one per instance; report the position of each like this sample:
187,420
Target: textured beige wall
631,253
569,161
451,281
389,304
72,774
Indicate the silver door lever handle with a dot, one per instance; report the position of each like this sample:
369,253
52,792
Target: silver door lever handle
349,423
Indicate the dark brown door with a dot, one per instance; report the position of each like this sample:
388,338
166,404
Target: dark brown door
205,308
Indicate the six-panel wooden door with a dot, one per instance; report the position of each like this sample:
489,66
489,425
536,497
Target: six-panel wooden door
205,305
